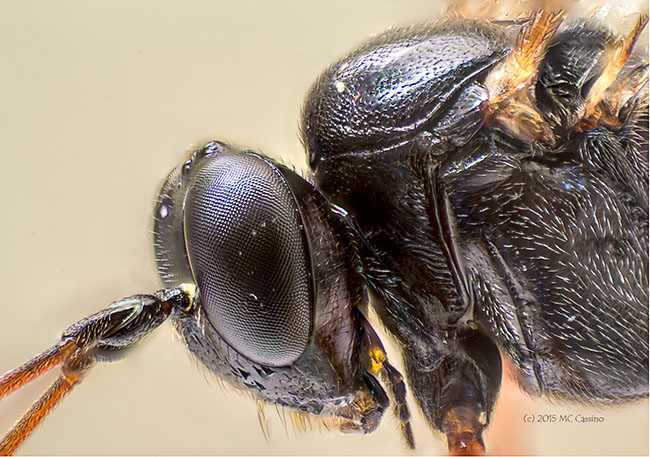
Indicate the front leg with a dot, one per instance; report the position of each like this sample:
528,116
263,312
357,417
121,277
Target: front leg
455,376
457,389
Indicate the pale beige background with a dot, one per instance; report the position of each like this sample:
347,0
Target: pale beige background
98,101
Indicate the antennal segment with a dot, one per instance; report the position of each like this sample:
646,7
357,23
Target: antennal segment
122,324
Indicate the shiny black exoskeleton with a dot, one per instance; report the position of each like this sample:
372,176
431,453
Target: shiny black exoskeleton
490,200
280,295
472,239
483,240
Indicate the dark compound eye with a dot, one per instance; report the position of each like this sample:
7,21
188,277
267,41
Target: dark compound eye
247,251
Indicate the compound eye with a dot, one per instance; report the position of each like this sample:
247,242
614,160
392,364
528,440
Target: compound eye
248,255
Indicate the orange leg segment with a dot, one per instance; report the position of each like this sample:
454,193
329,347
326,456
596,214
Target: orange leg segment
463,429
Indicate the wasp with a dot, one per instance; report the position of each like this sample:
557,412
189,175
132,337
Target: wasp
435,180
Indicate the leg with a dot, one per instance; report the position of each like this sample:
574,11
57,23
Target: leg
457,389
378,365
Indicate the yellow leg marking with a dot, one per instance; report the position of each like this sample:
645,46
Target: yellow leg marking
377,359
